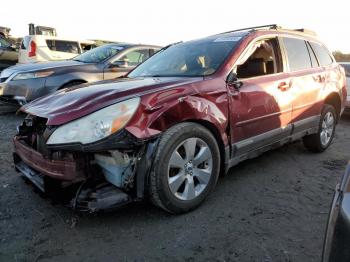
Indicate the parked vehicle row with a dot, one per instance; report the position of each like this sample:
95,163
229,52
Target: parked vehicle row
23,83
167,129
39,48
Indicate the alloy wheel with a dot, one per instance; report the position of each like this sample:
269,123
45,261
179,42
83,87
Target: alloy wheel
190,169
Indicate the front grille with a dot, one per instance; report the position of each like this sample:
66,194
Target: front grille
3,79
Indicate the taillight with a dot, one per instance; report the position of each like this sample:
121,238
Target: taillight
32,50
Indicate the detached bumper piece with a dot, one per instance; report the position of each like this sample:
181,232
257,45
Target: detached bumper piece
35,177
102,197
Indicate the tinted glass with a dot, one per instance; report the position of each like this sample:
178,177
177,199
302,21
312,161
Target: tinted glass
297,53
63,46
195,58
99,54
322,54
136,57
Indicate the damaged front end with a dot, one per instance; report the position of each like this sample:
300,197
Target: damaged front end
99,176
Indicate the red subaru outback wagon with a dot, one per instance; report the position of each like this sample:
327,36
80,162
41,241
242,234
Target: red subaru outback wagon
193,110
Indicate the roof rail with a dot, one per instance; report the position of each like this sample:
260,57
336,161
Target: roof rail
272,26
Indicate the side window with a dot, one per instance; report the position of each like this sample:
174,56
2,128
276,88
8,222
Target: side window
25,42
322,54
297,53
135,57
313,58
265,59
63,46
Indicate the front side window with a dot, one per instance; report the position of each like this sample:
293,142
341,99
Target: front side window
189,59
297,53
133,58
264,60
63,46
322,54
99,54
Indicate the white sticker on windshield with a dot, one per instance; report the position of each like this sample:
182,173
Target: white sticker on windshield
228,39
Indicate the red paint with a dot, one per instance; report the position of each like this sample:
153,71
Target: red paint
261,104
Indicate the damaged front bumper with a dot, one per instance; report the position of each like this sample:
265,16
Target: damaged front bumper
87,178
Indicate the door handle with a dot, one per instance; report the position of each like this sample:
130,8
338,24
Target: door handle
319,78
284,86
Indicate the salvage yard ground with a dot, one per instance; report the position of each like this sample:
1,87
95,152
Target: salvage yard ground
272,208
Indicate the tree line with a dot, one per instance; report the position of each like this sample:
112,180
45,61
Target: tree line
340,57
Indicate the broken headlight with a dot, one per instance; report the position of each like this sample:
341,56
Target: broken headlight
97,125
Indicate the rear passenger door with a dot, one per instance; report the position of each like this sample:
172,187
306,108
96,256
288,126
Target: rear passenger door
307,81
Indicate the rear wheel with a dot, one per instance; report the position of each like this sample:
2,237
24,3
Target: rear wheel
186,168
322,139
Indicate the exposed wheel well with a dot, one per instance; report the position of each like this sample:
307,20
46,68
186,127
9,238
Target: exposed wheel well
333,99
72,83
218,139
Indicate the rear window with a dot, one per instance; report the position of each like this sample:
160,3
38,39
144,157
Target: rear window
322,53
63,46
297,53
25,42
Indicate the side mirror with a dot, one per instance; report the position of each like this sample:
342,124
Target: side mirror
120,64
232,80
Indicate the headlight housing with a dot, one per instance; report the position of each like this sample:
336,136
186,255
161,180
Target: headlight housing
97,125
31,75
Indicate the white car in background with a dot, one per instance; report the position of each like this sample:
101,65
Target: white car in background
347,72
39,48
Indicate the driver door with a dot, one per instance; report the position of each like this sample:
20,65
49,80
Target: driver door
125,62
261,108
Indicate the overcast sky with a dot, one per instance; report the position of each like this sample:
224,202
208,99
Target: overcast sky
162,22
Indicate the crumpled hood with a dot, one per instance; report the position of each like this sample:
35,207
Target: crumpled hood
37,67
75,102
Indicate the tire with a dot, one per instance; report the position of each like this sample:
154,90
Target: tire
192,183
320,141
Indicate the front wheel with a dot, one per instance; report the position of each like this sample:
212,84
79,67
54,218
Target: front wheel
322,139
186,168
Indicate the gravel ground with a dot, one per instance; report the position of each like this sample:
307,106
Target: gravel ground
272,208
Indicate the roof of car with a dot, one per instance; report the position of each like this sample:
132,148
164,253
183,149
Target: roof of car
127,45
270,29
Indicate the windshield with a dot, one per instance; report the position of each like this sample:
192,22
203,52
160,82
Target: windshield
195,58
98,54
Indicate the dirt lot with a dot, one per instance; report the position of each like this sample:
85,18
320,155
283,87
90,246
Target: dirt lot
273,208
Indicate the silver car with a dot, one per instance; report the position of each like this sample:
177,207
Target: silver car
23,83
